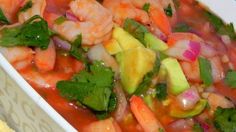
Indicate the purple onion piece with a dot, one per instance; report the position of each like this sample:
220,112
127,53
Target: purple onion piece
71,16
60,43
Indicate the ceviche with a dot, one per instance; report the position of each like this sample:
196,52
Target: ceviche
125,65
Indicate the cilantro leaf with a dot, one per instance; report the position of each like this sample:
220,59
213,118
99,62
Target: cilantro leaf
27,6
76,50
146,7
92,88
205,71
181,27
136,29
3,18
34,32
168,11
220,26
161,91
225,119
230,79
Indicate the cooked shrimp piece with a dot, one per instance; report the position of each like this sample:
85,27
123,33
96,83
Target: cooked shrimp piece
122,9
38,7
165,4
108,125
45,59
19,57
43,80
95,22
217,69
191,71
144,115
10,8
217,100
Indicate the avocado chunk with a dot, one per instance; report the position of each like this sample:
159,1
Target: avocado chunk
178,113
125,40
112,47
154,43
134,64
176,80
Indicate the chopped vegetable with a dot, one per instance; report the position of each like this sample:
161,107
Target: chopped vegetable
181,27
154,43
176,79
225,119
125,40
205,71
136,29
3,18
168,11
147,80
91,88
34,32
134,65
220,26
60,20
76,50
179,113
161,91
146,7
230,79
27,6
197,128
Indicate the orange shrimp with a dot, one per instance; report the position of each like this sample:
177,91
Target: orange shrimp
95,22
19,57
10,8
37,8
122,9
191,70
108,125
45,59
144,115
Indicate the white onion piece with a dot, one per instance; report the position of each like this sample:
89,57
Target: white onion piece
98,52
207,51
60,43
122,102
188,99
181,125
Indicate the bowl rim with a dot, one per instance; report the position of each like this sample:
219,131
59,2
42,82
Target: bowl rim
34,95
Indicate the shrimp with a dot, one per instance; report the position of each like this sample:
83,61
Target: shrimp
108,125
123,9
95,22
144,115
19,57
10,8
37,8
191,71
217,100
45,59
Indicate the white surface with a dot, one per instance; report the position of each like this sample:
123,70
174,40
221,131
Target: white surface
226,9
34,95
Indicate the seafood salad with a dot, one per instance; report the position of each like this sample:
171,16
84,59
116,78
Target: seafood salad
125,65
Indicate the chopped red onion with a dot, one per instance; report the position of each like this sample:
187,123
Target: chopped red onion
71,16
180,125
188,99
193,51
60,43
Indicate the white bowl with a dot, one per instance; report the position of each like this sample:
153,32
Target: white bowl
26,111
